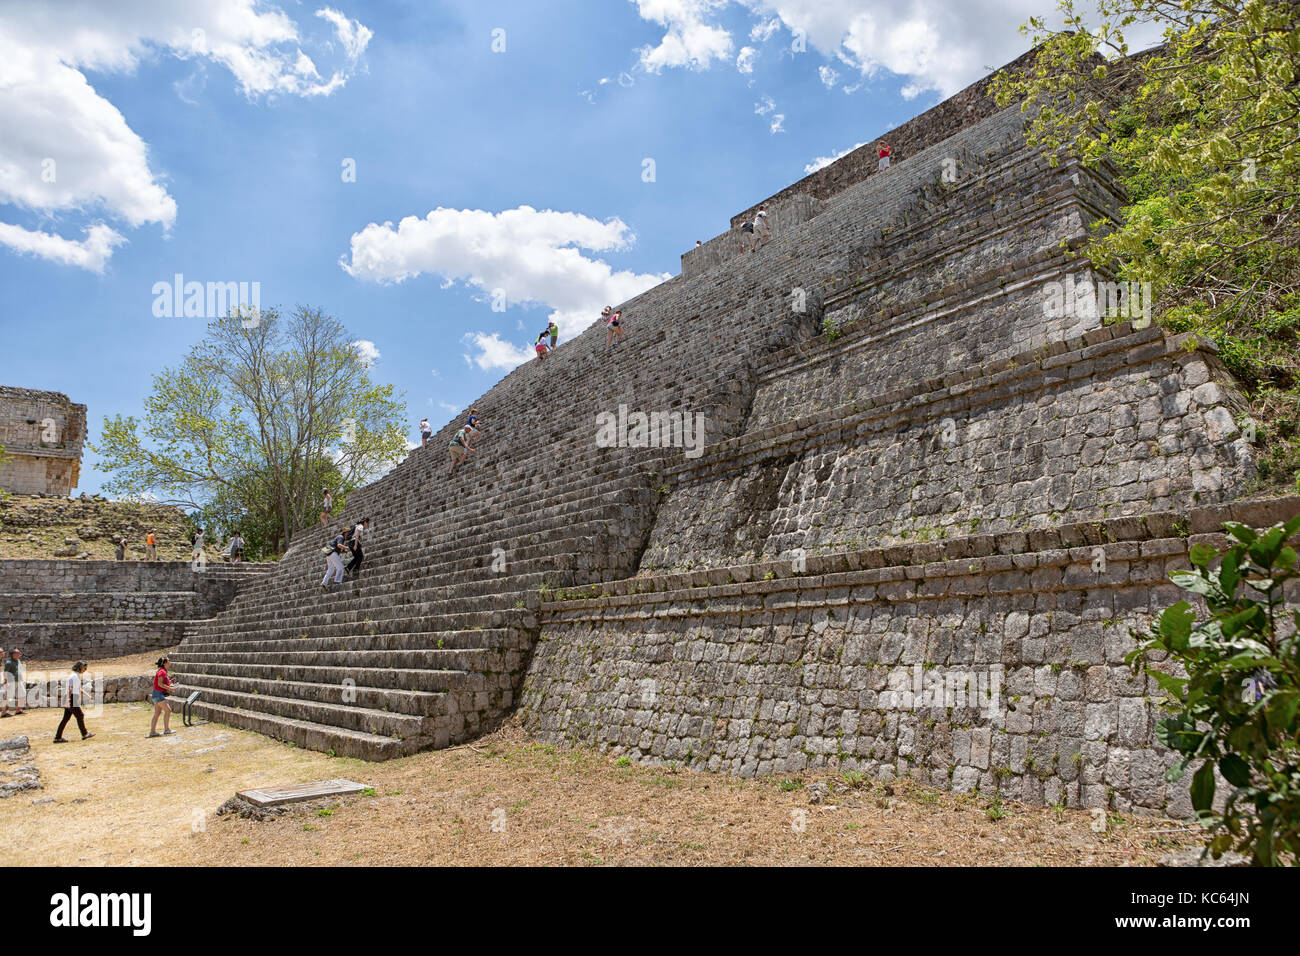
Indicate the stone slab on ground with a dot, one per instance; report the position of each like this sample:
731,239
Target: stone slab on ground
297,792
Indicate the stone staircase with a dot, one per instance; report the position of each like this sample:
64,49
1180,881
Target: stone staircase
430,646
930,471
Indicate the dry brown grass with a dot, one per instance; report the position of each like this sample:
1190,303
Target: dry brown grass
508,800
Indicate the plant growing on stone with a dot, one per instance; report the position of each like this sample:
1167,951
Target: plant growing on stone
1235,711
1202,131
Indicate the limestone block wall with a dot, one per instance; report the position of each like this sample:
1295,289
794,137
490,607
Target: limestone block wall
42,434
989,662
1117,422
97,609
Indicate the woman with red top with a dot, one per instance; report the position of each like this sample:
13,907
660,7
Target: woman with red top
162,685
883,156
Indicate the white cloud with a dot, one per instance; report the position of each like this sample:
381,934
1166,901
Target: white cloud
778,123
745,59
764,106
690,41
534,257
368,352
762,31
935,45
91,253
828,76
494,352
68,150
822,161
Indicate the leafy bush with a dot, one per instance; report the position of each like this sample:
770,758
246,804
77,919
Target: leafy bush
1236,708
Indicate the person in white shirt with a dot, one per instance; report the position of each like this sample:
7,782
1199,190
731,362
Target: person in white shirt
72,708
354,566
426,432
762,229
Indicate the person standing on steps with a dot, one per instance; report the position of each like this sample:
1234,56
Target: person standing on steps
14,688
151,546
119,549
358,555
615,322
459,448
326,506
540,345
334,560
237,548
162,686
882,162
196,546
554,331
747,241
762,230
72,708
426,432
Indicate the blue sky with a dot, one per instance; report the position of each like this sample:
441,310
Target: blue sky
220,155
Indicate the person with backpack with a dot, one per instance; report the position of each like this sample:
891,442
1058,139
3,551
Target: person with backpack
358,554
460,448
162,686
76,693
334,560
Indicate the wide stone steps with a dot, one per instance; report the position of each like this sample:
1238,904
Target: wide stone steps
394,636
364,696
331,738
424,680
393,598
380,723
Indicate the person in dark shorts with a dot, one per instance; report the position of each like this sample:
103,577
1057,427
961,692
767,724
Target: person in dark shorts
76,694
358,555
162,686
747,241
426,432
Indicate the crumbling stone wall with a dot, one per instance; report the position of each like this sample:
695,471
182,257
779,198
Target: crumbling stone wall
42,434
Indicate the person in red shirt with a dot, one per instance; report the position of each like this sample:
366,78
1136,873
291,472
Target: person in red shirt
884,156
162,685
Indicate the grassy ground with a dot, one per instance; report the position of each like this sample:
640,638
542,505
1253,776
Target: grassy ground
120,798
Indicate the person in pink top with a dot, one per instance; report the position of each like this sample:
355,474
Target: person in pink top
162,685
615,322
